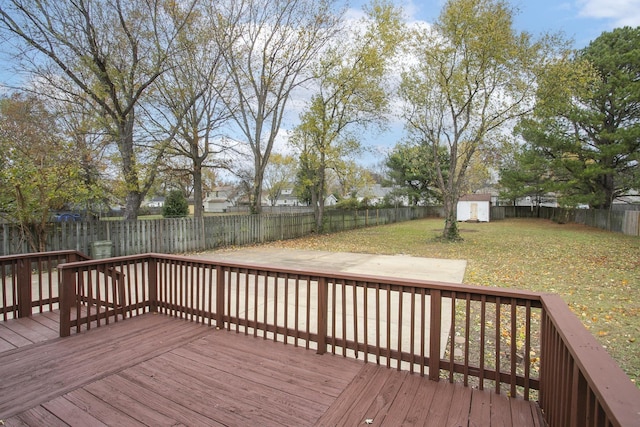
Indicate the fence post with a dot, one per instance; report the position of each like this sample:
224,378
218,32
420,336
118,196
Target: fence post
67,293
23,276
219,297
152,275
435,302
323,297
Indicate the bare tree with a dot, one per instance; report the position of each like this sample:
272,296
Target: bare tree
189,102
273,42
109,53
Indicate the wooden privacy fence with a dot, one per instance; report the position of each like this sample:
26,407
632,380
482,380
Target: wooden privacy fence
189,235
619,221
525,344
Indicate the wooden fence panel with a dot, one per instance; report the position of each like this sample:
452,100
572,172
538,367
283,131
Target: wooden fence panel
631,223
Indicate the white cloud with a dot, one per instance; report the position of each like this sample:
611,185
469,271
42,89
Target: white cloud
621,12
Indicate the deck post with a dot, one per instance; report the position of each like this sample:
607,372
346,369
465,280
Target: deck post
323,297
67,293
435,301
219,297
152,283
23,275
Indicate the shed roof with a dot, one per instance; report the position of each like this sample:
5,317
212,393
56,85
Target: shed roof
475,198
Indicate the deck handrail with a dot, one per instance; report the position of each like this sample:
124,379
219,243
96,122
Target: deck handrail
581,385
578,382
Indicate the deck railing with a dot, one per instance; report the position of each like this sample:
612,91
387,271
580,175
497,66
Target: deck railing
30,281
526,344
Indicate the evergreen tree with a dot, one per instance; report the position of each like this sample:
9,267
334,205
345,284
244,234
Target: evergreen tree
175,205
587,121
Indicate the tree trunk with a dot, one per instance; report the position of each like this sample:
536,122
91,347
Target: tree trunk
450,231
319,195
198,206
256,195
609,190
129,167
132,206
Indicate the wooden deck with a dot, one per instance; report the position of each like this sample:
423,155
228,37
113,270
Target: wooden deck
156,370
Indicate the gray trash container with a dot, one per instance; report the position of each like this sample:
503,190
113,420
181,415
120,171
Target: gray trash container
101,249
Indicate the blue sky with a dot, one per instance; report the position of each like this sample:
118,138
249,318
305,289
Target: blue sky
580,20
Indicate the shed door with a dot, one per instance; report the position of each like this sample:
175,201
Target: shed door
473,216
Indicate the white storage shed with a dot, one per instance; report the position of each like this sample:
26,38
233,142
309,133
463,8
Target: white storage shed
474,207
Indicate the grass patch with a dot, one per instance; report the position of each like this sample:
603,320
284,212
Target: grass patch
596,272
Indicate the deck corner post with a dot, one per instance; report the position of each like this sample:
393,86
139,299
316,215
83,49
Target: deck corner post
434,334
67,294
152,275
23,274
323,296
220,285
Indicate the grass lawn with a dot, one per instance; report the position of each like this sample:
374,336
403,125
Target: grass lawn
596,272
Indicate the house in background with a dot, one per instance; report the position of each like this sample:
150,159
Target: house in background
474,207
156,202
288,198
220,198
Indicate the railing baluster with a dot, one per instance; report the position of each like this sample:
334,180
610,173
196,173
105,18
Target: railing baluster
197,305
388,301
276,285
152,284
237,313
498,340
220,289
467,343
211,289
93,294
377,290
255,302
79,294
365,303
514,348
286,308
452,336
527,350
308,314
66,294
412,334
265,287
400,325
40,293
434,334
296,312
23,275
423,329
181,290
323,296
50,282
483,312
113,294
343,292
333,316
247,280
354,287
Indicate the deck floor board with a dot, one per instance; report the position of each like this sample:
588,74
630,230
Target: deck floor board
161,371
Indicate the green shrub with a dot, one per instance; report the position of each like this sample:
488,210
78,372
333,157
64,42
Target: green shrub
175,205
